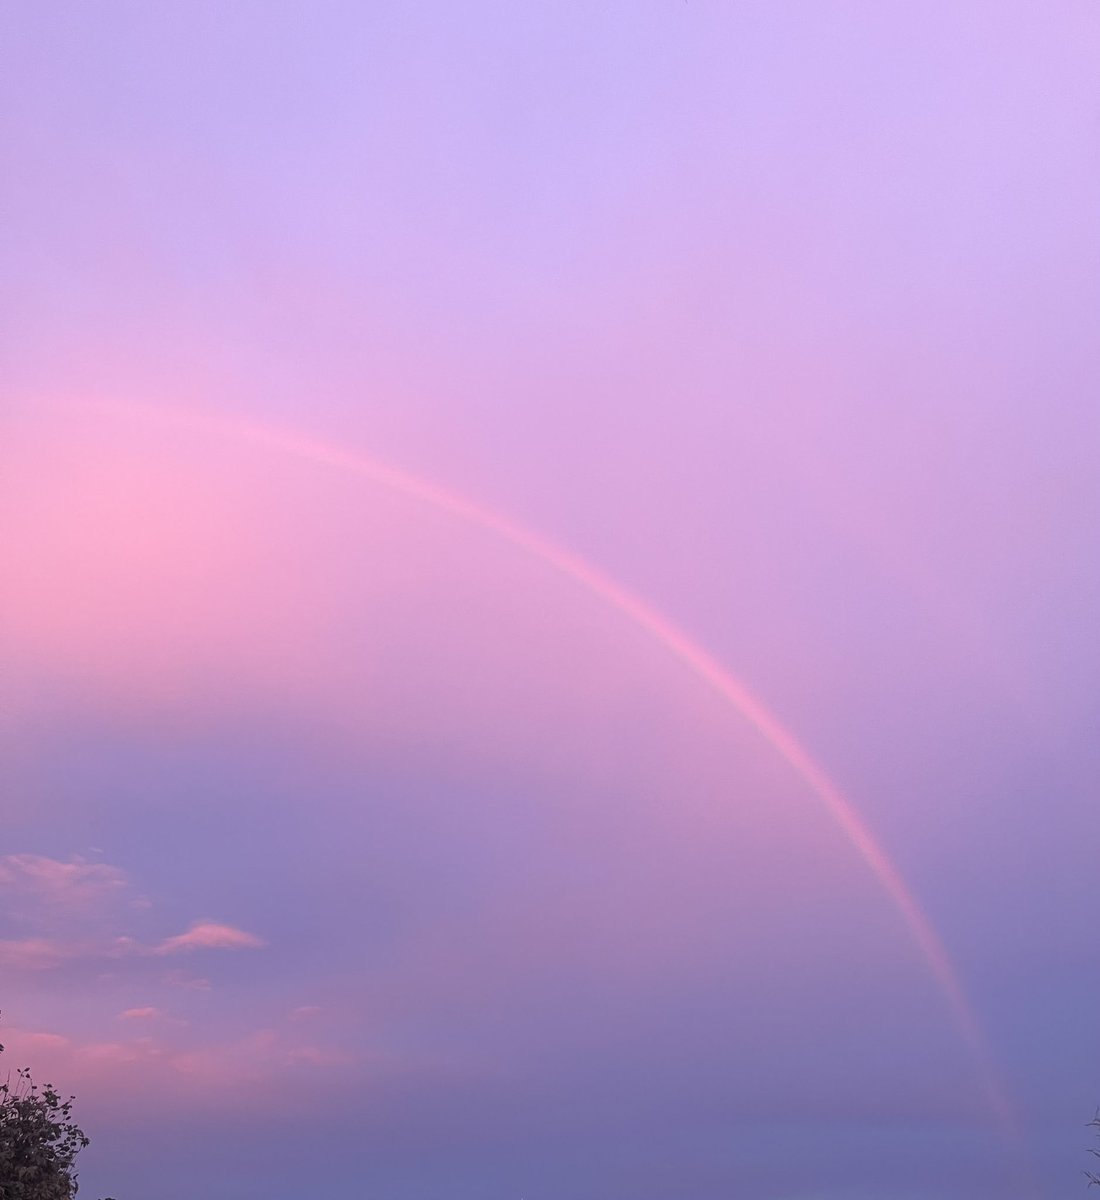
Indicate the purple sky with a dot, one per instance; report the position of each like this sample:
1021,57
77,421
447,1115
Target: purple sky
496,501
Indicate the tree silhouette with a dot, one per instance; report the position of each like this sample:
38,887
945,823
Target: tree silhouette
1091,1176
39,1140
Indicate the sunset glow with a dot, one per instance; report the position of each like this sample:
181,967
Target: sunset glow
548,590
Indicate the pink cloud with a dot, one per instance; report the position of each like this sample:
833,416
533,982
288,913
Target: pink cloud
32,954
122,1070
256,1056
43,954
75,883
121,1053
210,935
139,1014
46,1041
246,1060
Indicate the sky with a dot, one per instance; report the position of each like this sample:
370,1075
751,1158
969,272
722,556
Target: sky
548,589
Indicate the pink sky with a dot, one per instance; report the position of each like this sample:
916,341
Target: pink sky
747,342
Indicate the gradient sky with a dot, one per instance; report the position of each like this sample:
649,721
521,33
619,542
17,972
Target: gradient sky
391,392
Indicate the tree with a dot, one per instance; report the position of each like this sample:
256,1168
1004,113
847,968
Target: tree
39,1140
1091,1176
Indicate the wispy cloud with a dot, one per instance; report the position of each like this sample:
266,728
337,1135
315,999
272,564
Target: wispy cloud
210,935
33,954
46,1041
256,1056
148,1013
47,953
74,884
77,911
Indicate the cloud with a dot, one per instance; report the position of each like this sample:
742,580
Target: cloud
261,1054
33,954
210,935
47,953
140,1060
121,1053
44,954
248,1059
139,1014
73,884
46,1041
64,912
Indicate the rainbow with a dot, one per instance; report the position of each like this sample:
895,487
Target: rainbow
683,648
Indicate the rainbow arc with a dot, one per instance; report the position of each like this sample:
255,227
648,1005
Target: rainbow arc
682,647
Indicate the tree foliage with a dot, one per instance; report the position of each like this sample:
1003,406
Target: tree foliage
39,1140
1091,1176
